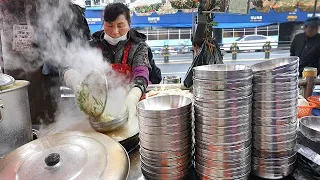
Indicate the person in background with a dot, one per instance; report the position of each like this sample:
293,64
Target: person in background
70,30
307,45
125,49
155,76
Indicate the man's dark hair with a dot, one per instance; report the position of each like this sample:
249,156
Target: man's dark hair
113,10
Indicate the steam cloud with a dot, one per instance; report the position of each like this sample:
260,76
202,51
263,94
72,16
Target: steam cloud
55,48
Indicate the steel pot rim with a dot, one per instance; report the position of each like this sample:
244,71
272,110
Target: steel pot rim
184,115
201,108
227,81
248,115
225,127
223,68
274,65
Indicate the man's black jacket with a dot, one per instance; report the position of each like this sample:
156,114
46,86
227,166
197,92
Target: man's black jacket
308,50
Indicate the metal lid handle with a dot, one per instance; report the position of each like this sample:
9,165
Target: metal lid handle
52,159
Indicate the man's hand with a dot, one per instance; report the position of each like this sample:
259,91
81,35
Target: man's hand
132,101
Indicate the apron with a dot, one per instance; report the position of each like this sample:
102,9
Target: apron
123,68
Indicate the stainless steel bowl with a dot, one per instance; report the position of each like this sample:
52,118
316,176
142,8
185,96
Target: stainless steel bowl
279,65
165,154
274,137
153,176
221,122
270,121
275,104
166,169
223,156
220,140
276,79
289,69
205,176
213,172
280,75
222,131
164,106
224,148
105,126
222,113
224,104
235,163
168,176
166,146
200,93
222,85
310,127
274,161
272,172
164,138
165,129
292,69
167,162
275,146
222,71
276,129
282,153
292,111
276,96
165,122
274,87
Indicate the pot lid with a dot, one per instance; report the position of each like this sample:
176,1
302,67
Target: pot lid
6,80
64,156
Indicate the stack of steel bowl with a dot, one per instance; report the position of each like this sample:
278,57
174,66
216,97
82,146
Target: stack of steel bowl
165,124
274,118
223,104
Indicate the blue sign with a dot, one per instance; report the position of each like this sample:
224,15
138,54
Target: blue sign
260,17
180,19
94,16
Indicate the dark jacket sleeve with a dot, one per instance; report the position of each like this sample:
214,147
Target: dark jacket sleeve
293,46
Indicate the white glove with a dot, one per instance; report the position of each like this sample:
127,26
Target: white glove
132,100
72,79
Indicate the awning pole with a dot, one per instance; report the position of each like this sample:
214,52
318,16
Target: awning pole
315,8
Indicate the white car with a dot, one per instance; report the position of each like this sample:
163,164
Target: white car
251,42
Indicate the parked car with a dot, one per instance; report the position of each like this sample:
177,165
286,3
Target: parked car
250,42
183,49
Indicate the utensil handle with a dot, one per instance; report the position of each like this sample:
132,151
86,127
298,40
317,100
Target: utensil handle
1,107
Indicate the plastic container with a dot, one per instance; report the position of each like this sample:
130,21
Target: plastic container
315,100
305,110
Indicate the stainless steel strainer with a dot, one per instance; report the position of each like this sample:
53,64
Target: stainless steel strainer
92,94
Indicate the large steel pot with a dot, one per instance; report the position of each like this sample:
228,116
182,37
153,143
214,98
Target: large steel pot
15,120
66,156
310,127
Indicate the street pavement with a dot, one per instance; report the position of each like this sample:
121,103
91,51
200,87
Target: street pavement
180,63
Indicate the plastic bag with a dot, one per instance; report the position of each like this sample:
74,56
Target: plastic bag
206,56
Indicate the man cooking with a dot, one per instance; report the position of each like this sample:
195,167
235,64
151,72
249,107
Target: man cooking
125,49
307,45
